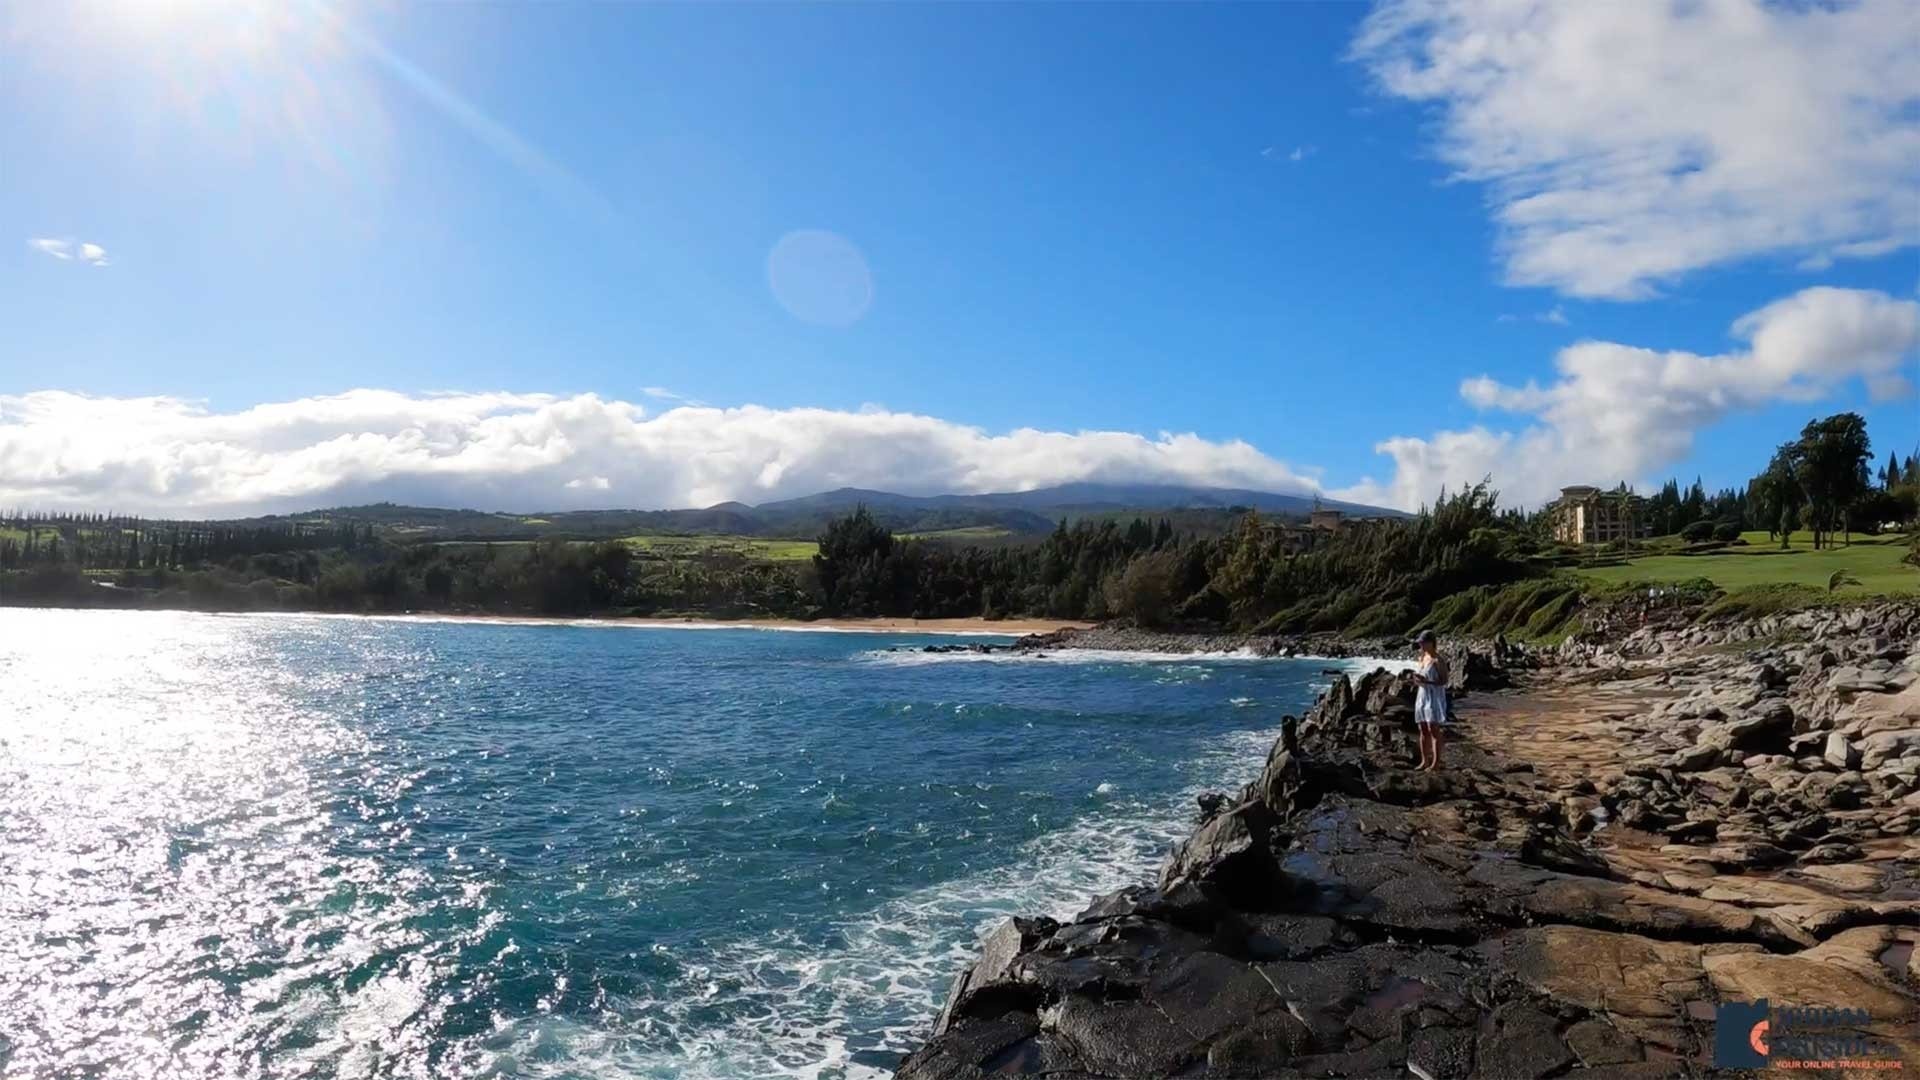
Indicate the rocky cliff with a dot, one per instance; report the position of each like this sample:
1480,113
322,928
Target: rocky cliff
1702,815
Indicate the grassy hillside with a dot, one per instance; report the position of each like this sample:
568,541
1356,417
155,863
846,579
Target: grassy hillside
750,548
1874,560
970,534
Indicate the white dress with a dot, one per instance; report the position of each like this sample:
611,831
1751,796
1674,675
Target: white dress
1430,702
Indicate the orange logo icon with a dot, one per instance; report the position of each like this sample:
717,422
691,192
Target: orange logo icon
1757,1038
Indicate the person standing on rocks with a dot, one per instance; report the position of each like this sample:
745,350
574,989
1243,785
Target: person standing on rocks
1430,700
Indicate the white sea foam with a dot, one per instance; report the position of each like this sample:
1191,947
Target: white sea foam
912,657
622,624
915,657
810,1012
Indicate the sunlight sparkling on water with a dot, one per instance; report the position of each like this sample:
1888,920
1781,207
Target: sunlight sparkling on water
349,848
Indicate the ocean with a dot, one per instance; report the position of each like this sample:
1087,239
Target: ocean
302,846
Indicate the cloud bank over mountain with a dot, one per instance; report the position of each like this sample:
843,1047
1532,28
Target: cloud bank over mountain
1612,411
538,451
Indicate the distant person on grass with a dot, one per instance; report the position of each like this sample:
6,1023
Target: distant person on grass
1430,701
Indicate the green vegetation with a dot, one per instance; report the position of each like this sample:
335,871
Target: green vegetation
1462,566
1874,561
749,548
968,534
1541,609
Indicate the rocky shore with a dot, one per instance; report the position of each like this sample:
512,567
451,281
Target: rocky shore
1640,830
1133,639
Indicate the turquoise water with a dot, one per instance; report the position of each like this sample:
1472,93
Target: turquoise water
337,847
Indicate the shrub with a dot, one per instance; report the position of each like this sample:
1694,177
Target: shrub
1774,599
1697,532
1143,591
1388,618
1555,617
1726,532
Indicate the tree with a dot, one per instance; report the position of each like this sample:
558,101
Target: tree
1875,507
1775,496
854,566
1832,470
1144,591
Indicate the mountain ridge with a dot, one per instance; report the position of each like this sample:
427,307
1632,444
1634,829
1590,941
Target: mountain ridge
1016,513
1092,495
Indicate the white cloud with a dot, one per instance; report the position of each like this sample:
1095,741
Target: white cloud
1627,144
67,250
1619,412
536,451
1554,316
1296,155
661,393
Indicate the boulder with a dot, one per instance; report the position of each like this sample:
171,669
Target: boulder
987,977
1694,758
1385,695
956,1054
1234,852
1750,856
1851,680
1840,753
1764,729
1831,853
1472,671
1881,746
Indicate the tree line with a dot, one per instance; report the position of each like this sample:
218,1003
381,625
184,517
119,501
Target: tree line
116,542
1825,482
1265,574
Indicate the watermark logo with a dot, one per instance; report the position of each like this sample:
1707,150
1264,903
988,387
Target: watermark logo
1740,1035
1753,1035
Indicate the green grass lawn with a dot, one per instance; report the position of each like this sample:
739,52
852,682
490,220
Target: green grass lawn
969,534
1874,560
751,547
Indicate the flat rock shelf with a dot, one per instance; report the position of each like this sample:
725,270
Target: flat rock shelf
1638,831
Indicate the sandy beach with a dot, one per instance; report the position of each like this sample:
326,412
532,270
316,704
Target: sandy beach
1001,627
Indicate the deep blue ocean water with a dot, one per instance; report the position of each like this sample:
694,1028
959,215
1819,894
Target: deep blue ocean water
338,847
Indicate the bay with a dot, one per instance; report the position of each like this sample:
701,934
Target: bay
253,846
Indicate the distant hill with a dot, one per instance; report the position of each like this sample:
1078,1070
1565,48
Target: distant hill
1015,513
1080,498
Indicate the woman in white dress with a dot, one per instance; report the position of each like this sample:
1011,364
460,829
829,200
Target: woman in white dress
1430,700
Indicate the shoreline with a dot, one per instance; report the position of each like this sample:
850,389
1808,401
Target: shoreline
965,627
1112,637
1625,835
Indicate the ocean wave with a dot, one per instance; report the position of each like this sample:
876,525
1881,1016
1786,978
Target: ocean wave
848,1011
435,618
912,657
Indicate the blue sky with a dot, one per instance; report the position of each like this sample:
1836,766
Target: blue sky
1225,221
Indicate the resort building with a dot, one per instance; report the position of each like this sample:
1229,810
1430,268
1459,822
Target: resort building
1326,520
1588,515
